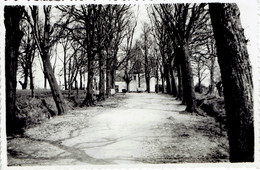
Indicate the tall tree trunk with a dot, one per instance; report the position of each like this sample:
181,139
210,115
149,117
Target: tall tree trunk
69,78
187,79
89,99
45,79
199,78
101,77
157,81
25,83
80,79
236,75
168,82
108,83
173,84
44,48
212,82
113,78
127,85
31,80
56,93
139,80
13,15
113,69
162,77
76,84
147,70
147,82
162,71
31,73
108,78
180,90
65,71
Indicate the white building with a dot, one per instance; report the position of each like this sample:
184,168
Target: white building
134,84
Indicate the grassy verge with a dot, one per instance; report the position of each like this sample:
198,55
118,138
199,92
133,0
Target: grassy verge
213,106
31,111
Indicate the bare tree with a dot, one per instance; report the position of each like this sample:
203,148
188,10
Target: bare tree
44,40
159,34
128,61
132,65
200,69
81,24
181,21
26,57
102,36
203,54
236,75
145,45
211,46
65,42
13,16
119,17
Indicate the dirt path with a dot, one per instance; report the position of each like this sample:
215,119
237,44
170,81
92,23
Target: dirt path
130,128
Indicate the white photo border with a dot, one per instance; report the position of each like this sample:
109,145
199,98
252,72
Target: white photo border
256,80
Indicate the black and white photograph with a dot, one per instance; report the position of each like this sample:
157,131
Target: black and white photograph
103,83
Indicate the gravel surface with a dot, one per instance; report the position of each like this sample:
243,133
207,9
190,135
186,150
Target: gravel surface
132,128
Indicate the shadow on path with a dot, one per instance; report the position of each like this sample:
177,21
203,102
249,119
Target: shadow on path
142,128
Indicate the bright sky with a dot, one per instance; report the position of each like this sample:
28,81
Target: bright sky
249,20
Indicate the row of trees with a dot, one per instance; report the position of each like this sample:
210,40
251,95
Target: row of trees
90,36
182,37
190,37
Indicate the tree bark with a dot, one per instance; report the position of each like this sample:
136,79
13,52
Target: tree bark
101,77
57,96
31,81
139,80
113,69
127,86
187,79
162,77
108,80
180,90
80,79
157,81
113,78
168,82
236,75
212,82
147,80
89,99
13,15
43,44
147,75
65,70
162,70
173,84
25,83
199,78
45,79
69,78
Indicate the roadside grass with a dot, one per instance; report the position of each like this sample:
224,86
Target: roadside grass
31,110
212,105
